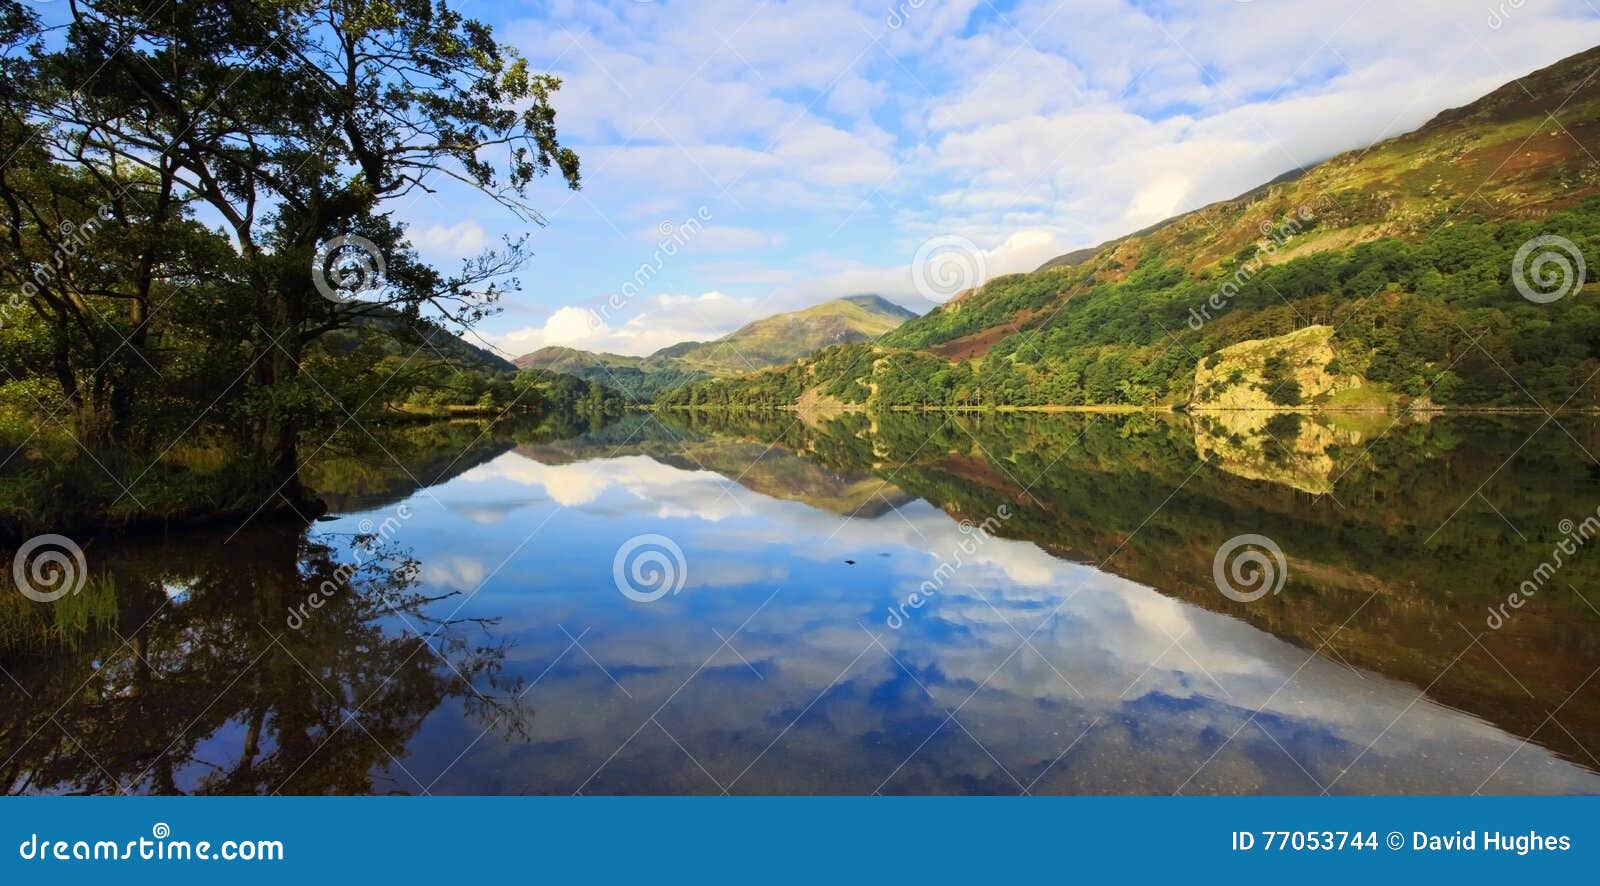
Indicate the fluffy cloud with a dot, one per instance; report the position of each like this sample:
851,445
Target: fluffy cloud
460,240
1131,115
647,324
958,263
636,328
832,138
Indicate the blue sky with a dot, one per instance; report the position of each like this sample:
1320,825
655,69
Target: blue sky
799,151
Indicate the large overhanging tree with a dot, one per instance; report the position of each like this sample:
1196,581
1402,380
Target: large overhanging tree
297,125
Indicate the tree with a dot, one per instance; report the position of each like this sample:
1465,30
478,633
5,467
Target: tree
295,124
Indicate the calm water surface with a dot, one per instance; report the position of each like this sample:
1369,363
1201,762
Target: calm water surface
479,644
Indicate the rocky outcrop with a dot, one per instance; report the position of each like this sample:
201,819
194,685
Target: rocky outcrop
1286,372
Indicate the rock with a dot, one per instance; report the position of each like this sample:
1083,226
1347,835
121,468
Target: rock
1256,374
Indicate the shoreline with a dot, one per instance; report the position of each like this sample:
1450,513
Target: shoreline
90,525
1125,409
85,527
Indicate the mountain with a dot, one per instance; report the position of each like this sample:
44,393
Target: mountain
454,349
771,341
782,338
637,377
1404,256
417,336
421,369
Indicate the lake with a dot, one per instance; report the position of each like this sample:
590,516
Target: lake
895,604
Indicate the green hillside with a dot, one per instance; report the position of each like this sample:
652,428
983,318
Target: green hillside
637,377
414,336
785,337
771,341
1404,250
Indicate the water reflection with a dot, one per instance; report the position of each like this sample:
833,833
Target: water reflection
213,693
1080,648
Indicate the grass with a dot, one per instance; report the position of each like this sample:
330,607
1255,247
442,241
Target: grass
1370,397
413,410
63,624
121,489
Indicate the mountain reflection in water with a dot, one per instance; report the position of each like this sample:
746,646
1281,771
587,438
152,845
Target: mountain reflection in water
483,647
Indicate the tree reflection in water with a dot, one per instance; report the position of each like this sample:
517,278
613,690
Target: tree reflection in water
1390,575
197,685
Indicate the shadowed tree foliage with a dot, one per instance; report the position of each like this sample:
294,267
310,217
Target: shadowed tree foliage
290,127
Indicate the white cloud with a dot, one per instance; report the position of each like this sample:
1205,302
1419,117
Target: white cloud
831,138
648,324
455,571
1024,250
671,492
461,240
1218,98
636,328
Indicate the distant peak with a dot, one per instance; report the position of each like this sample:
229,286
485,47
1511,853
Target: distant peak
874,302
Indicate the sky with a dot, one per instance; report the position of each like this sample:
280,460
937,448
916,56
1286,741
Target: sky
746,158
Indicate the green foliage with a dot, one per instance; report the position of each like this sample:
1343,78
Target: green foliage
768,342
131,333
997,302
639,378
292,128
1437,316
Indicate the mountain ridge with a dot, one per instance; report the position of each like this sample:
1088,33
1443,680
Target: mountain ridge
768,341
1407,248
1530,91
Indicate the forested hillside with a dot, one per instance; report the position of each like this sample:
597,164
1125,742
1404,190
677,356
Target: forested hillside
1447,264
